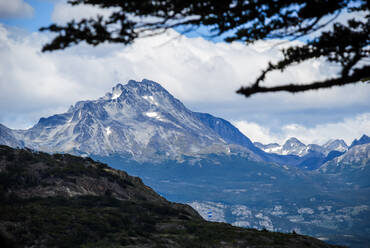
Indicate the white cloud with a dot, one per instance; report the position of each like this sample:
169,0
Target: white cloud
256,132
15,9
64,12
202,74
347,129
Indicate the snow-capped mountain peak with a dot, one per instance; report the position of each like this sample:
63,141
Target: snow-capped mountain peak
335,145
294,147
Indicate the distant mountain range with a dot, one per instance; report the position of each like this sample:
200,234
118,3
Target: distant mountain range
313,156
142,121
295,147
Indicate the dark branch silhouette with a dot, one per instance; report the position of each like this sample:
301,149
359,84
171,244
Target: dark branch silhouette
346,45
358,76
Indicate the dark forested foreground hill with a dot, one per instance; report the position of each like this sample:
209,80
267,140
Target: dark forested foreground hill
67,201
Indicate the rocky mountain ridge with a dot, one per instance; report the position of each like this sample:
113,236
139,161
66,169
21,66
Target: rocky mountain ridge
361,141
293,146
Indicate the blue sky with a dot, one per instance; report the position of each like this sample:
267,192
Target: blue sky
201,73
42,10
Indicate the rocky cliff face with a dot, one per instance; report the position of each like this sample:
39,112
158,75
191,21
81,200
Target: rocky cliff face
66,201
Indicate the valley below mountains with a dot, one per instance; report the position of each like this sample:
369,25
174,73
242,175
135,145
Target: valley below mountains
206,162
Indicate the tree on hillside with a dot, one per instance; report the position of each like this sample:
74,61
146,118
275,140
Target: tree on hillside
347,45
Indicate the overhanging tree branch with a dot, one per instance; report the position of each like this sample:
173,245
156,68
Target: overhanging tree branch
359,75
346,45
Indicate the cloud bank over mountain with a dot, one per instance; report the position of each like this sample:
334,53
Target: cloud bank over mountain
319,134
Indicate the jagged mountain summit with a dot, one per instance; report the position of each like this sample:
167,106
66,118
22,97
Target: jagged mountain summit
139,120
361,141
335,145
294,147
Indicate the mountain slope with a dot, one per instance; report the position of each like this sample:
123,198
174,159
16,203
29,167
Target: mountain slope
226,130
66,201
356,158
7,137
351,168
